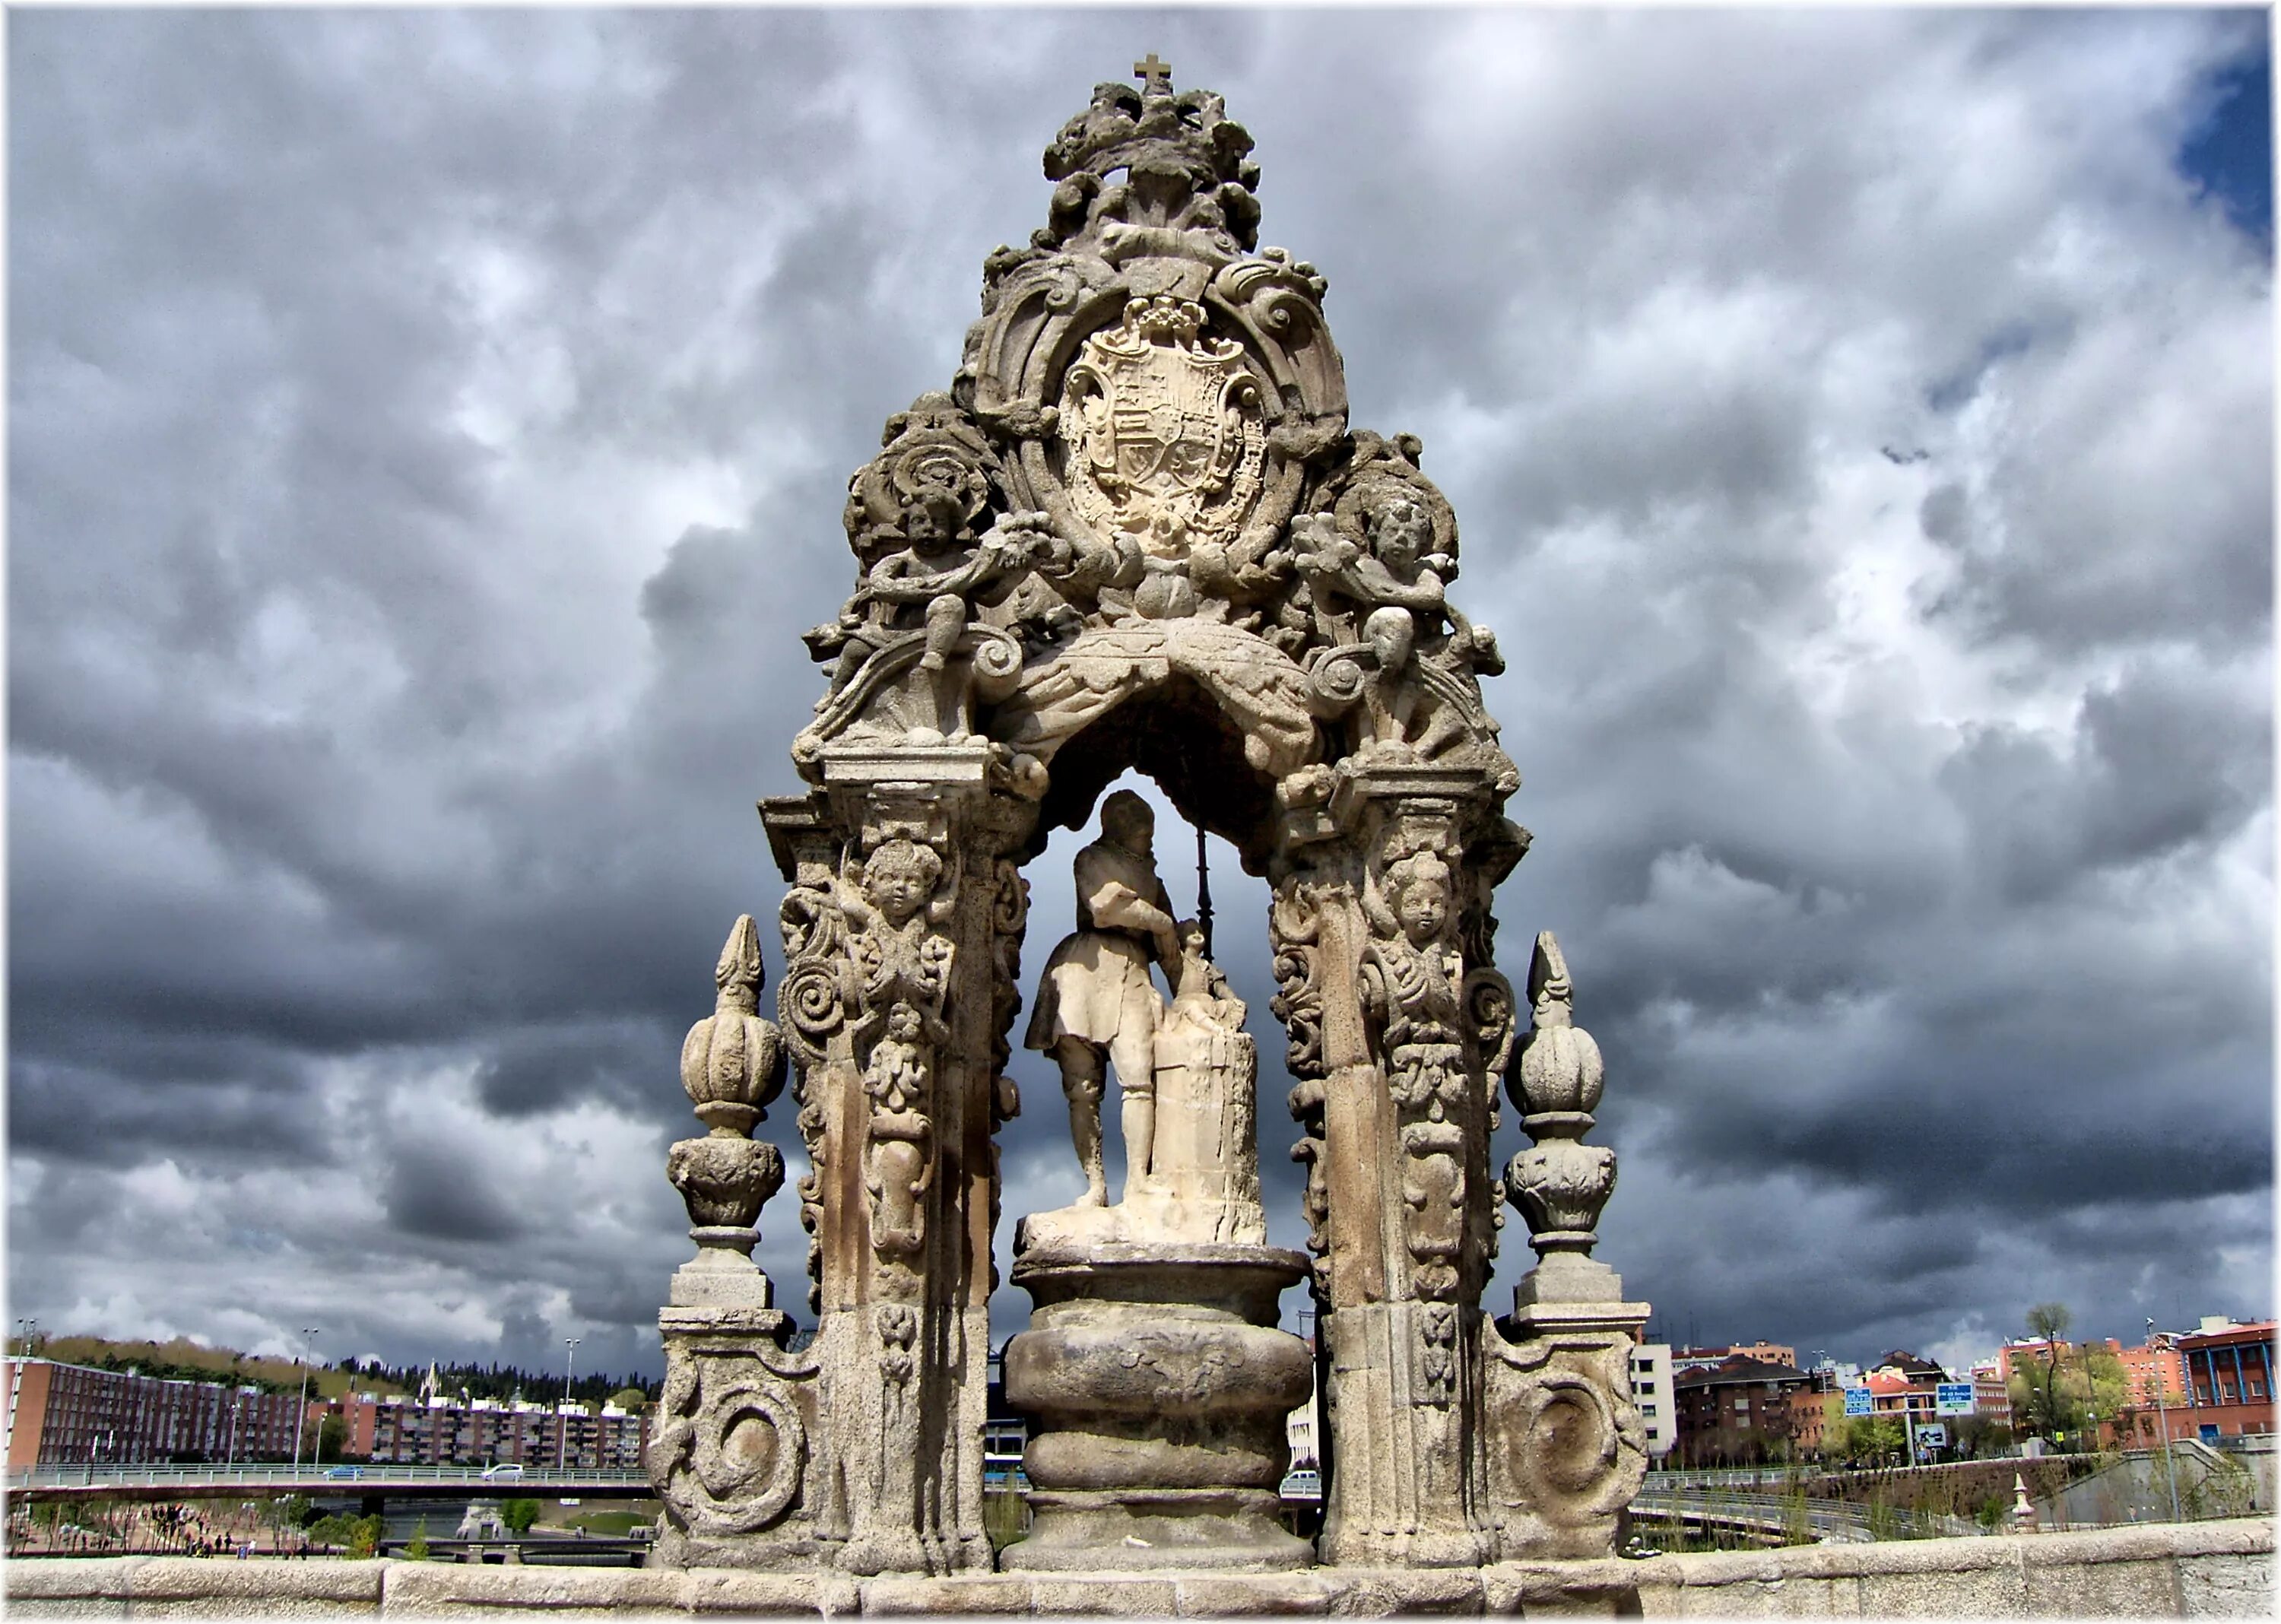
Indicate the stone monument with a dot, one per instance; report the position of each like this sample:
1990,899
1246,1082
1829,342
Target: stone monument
1138,532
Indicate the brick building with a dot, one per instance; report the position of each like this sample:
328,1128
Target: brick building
1737,1410
68,1415
485,1432
1772,1353
2153,1365
2227,1372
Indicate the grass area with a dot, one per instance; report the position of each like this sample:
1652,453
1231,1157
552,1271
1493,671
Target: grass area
1005,1517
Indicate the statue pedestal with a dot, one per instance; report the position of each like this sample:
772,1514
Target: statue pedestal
1159,1385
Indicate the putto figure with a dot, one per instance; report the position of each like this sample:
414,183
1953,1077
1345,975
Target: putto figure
1098,1004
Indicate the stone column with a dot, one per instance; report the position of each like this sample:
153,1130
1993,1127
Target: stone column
1400,1028
901,934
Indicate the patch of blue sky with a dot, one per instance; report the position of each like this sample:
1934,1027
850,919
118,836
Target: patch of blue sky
2230,154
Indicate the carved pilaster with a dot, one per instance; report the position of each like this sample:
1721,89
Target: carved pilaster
1399,1036
901,934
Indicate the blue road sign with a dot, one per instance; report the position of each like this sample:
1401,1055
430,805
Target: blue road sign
1953,1398
1857,1401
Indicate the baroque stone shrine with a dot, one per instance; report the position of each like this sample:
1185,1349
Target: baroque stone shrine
1138,532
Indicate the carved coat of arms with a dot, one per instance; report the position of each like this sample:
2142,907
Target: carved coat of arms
1163,430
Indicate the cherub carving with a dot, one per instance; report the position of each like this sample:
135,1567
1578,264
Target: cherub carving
934,583
1398,588
897,949
1412,977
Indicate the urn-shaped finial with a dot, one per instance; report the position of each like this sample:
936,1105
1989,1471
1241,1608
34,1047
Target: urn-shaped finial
1559,1184
732,1061
1560,1067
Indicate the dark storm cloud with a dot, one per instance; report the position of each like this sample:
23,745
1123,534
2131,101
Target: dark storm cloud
428,437
434,1191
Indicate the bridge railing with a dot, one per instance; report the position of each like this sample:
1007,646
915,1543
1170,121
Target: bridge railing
268,1475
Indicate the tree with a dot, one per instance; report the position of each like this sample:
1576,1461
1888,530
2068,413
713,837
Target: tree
364,1535
519,1515
416,1549
2047,1323
630,1399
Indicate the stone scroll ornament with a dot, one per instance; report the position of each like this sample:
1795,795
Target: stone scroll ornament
1137,531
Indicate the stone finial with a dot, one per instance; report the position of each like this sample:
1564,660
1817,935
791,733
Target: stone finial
731,1066
1561,1072
1559,1184
733,1061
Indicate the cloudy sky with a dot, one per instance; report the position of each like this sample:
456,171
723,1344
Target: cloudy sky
427,434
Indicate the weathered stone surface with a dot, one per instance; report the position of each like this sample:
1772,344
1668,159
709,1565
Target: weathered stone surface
1238,1596
1159,1438
1110,1595
1381,1593
2218,1569
2226,1586
982,1594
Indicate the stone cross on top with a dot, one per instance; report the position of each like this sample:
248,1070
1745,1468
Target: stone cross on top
1155,77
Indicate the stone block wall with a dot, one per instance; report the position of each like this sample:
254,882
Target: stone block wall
2192,1570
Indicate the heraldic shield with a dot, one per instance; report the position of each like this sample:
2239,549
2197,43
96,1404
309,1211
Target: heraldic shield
1166,438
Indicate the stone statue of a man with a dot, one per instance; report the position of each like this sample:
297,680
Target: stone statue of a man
1098,1004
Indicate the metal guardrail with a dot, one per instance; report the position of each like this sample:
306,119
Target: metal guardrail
1838,1520
324,1480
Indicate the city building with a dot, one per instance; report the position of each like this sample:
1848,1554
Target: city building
1895,1394
1833,1373
1652,1392
1810,1408
2151,1366
68,1415
1772,1353
2228,1371
1737,1410
1991,1395
484,1432
2026,1351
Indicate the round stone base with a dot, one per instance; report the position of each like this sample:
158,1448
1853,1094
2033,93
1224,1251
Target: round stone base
1223,1529
1158,1383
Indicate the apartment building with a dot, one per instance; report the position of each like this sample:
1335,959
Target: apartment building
1652,1392
68,1415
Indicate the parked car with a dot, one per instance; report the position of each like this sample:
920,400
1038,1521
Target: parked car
506,1471
345,1473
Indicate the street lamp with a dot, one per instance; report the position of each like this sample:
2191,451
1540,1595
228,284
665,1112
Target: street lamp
562,1416
301,1415
2162,1411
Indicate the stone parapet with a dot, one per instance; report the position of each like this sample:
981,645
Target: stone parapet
2190,1570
